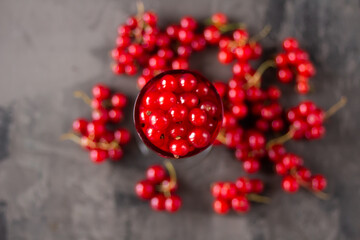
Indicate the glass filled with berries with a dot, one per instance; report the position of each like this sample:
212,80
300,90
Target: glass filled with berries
178,114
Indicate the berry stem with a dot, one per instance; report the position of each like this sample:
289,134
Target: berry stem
307,186
254,80
221,137
173,179
70,136
336,107
260,35
282,139
83,96
257,198
231,27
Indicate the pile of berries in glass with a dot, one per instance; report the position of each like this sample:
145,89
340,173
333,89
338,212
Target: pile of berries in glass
179,113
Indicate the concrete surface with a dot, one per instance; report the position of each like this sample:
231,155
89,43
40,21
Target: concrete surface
49,189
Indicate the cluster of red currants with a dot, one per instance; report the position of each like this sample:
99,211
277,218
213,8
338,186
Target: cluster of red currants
159,187
237,195
290,166
100,136
306,120
294,63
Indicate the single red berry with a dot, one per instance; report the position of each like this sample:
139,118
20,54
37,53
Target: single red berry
285,75
201,89
216,189
172,31
123,41
302,87
151,100
118,100
229,120
100,115
281,60
95,129
254,94
262,125
178,113
306,107
273,93
251,165
173,203
219,19
150,18
131,69
98,155
131,22
316,117
178,132
289,184
280,169
135,50
240,204
80,126
276,152
115,115
100,91
179,147
233,137
277,125
257,185
188,22
256,140
243,53
189,99
221,206
158,202
228,191
290,44
318,182
197,117
241,152
306,69
198,43
184,51
185,36
166,100
115,154
159,120
157,62
188,82
240,69
315,132
156,136
240,35
156,174
124,30
145,189
199,138
122,136
236,95
257,51
290,160
212,34
304,174
165,53
244,185
239,110
225,56
224,42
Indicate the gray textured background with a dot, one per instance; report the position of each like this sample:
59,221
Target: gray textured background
50,190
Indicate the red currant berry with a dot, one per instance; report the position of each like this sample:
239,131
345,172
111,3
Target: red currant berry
229,120
159,120
150,18
178,113
172,31
240,35
221,206
306,69
156,174
98,155
209,107
276,152
251,165
100,91
304,174
185,36
199,138
318,182
257,185
289,184
96,129
173,203
122,136
80,126
189,99
118,100
216,189
115,154
244,185
240,204
115,115
239,110
180,63
212,34
166,100
228,191
225,56
280,169
281,60
158,202
285,75
290,44
145,189
178,132
179,147
273,93
221,88
240,69
219,19
188,82
256,140
197,117
188,23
